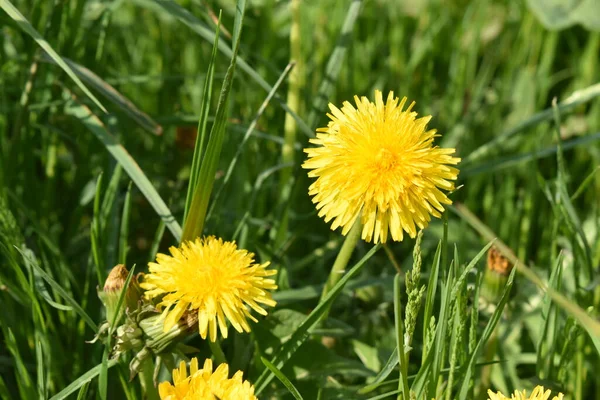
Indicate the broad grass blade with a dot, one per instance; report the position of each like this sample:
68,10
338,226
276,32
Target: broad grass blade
95,125
59,289
114,96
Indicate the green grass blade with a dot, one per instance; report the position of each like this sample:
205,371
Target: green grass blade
489,329
590,324
545,347
96,233
82,394
202,124
117,314
59,289
124,231
200,28
334,65
399,323
114,96
103,376
82,380
383,374
41,370
284,379
247,135
579,97
589,179
30,30
303,332
431,291
93,123
23,378
194,222
515,160
160,230
440,344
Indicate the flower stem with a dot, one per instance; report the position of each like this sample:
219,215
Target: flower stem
146,376
341,261
217,351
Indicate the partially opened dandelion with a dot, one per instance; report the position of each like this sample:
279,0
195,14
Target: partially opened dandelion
213,278
378,162
537,394
204,384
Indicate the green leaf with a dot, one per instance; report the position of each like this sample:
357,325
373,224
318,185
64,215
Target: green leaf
30,30
286,382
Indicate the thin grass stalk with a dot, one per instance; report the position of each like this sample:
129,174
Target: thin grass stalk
296,82
341,261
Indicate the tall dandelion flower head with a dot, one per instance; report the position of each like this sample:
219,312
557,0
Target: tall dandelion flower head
377,161
537,394
213,278
204,384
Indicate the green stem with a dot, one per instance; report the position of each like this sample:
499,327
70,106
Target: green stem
217,351
339,266
402,359
146,376
294,102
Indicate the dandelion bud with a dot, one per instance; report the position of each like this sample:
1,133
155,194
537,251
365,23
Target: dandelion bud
113,286
496,275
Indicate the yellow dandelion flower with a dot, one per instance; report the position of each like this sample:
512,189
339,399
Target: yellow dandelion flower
214,278
204,384
537,394
377,161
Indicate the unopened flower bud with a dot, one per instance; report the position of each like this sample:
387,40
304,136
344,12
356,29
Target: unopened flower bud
496,275
113,287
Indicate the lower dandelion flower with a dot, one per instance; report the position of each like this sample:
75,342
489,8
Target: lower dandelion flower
213,278
377,162
204,384
537,394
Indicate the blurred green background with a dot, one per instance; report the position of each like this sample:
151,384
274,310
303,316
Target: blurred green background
487,71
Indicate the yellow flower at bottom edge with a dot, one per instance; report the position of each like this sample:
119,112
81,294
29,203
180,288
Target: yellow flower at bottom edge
213,278
204,384
537,394
378,162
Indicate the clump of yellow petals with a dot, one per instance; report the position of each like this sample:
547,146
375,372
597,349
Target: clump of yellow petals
213,278
204,384
537,394
377,161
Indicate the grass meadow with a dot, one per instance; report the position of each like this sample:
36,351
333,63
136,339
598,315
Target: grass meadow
128,126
